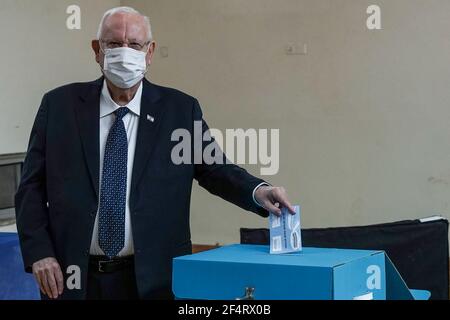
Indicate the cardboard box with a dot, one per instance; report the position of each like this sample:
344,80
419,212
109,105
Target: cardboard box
250,272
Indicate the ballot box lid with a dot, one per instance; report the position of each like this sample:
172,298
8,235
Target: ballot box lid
259,254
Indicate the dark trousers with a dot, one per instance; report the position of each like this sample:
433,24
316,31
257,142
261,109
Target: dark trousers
117,285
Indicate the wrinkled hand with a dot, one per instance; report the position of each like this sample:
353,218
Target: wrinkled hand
273,198
49,277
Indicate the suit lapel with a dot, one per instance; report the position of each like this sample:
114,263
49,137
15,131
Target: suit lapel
88,118
149,123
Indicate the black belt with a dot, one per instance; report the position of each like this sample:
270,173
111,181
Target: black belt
103,264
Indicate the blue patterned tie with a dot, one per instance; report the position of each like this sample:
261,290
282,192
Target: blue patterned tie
113,189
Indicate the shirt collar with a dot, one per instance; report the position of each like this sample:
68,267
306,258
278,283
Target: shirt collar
109,106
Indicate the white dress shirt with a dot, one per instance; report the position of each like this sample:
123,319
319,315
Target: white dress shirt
131,121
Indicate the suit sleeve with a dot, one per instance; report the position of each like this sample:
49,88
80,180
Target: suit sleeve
223,179
31,197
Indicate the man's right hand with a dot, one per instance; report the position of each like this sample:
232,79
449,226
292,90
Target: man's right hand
49,277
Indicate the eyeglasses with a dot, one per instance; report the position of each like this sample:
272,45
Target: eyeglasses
117,44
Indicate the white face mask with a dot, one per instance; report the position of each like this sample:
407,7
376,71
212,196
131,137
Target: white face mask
124,66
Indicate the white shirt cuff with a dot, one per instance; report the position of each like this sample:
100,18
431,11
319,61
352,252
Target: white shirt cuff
254,190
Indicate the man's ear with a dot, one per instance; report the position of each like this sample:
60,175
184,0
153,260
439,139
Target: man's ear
151,52
96,47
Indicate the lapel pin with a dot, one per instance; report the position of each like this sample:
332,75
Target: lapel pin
150,118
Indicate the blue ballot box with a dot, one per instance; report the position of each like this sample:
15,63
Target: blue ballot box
15,284
250,272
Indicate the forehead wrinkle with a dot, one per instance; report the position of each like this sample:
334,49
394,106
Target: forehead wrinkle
125,27
135,30
115,27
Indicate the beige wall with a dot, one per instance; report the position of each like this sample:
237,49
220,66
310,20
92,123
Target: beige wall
39,53
364,116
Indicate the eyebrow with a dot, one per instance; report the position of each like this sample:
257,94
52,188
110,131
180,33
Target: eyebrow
133,40
120,40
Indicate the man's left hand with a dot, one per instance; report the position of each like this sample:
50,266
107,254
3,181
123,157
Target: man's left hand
273,198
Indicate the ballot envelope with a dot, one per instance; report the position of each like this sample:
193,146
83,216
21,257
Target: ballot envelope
251,272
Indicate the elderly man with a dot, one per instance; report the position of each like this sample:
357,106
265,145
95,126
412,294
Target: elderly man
99,193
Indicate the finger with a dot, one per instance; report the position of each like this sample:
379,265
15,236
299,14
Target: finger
39,281
59,279
45,285
52,283
282,198
272,208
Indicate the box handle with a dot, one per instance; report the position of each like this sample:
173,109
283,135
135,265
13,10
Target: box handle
249,291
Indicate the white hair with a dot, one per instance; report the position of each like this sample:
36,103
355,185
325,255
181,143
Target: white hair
124,10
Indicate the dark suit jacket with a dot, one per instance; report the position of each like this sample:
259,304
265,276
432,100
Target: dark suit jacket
57,200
